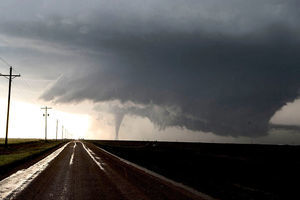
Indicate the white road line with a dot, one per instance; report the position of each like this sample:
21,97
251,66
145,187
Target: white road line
71,160
15,183
72,156
90,154
180,185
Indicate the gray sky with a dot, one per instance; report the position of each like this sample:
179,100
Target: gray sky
223,67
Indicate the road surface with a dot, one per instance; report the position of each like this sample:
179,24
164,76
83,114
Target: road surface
84,171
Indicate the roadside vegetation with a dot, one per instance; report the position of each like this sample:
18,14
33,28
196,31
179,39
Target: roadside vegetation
18,140
22,150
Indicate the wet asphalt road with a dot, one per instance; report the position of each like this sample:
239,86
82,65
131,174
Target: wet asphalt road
83,171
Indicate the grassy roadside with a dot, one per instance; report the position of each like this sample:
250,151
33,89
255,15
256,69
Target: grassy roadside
18,140
23,150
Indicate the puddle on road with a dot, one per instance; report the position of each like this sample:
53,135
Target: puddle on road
12,185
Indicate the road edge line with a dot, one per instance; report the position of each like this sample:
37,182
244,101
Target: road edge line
93,158
15,191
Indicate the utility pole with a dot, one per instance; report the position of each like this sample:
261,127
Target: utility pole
46,115
10,76
56,129
62,132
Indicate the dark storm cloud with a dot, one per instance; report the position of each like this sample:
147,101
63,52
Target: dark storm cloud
202,65
236,85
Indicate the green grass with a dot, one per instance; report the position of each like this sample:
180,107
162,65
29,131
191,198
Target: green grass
18,140
10,158
23,150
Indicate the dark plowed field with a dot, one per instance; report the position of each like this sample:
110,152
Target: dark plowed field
225,171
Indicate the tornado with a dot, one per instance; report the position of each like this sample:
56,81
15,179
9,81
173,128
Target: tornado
118,120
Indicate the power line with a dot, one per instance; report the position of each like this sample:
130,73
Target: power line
2,59
5,62
10,76
24,80
20,90
9,65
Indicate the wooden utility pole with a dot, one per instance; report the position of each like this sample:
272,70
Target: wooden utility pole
46,115
62,132
56,129
10,76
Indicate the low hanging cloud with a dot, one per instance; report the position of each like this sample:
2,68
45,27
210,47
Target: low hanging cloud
223,67
224,85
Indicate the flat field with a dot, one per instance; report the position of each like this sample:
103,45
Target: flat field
224,171
18,140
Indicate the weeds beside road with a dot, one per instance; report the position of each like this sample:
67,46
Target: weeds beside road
22,150
18,140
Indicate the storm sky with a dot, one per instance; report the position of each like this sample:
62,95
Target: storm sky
224,67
